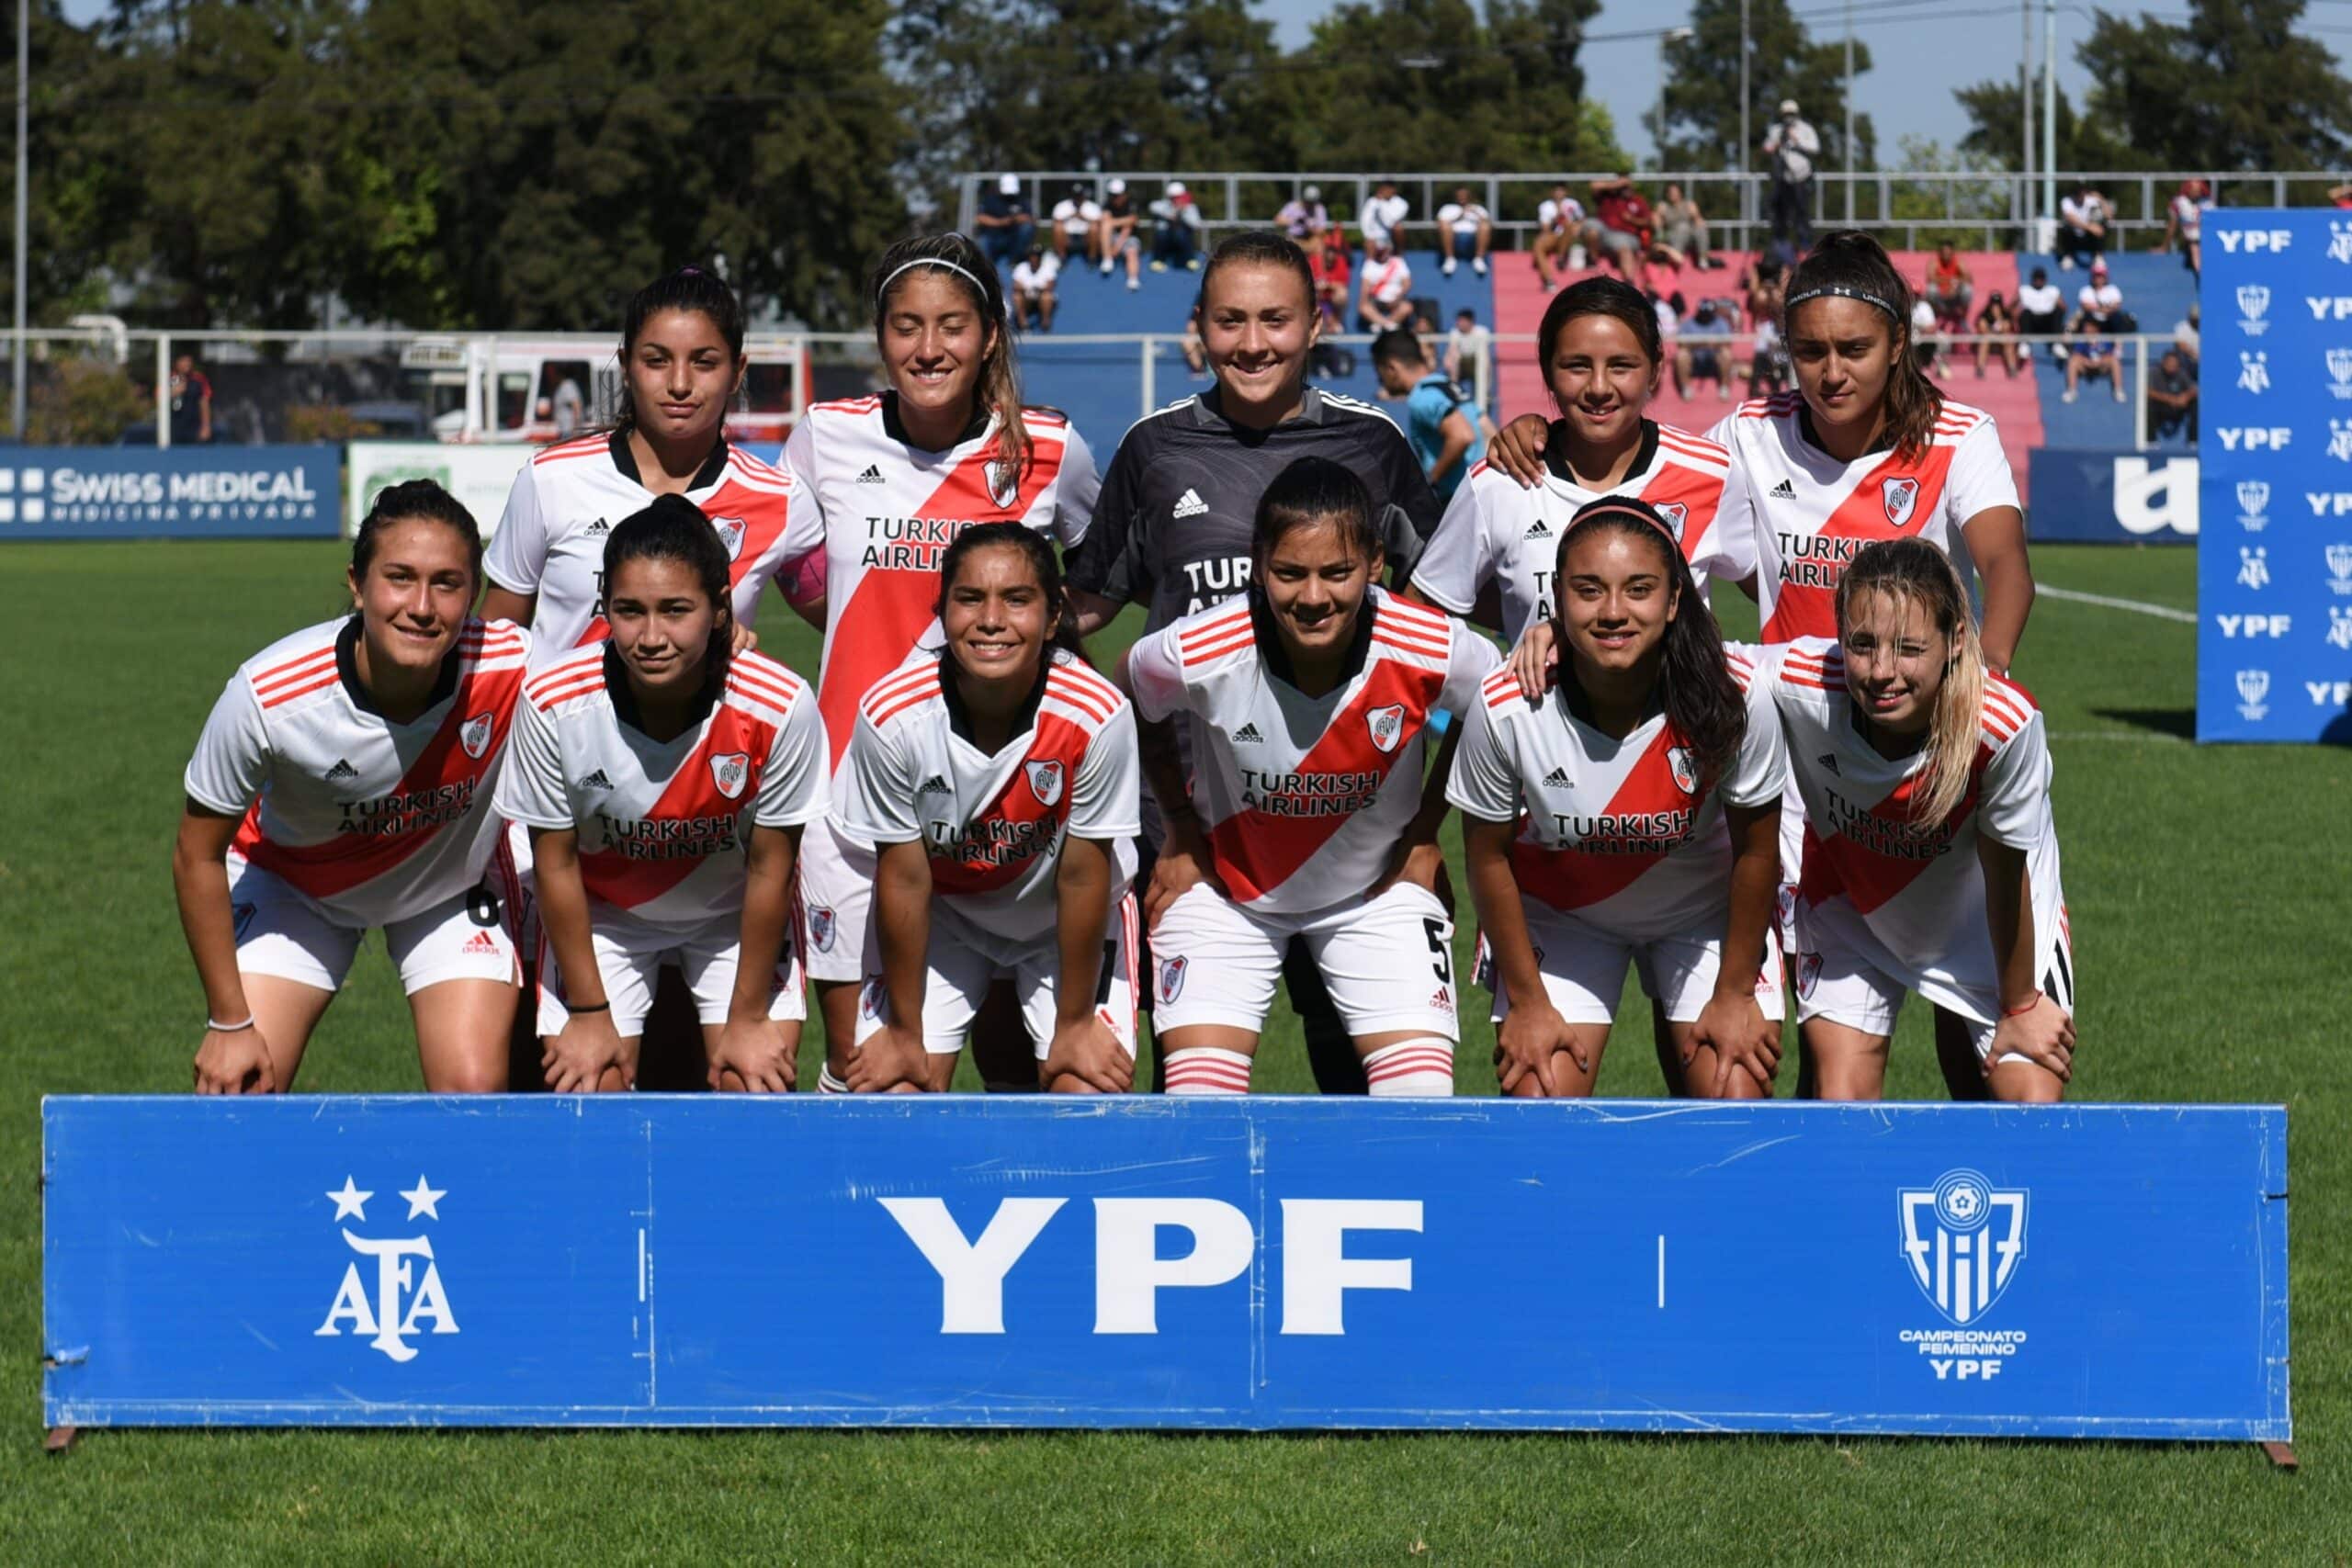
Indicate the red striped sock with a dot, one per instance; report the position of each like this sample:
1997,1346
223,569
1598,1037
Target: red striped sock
1205,1069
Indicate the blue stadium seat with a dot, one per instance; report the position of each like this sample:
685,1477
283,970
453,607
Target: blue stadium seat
2158,290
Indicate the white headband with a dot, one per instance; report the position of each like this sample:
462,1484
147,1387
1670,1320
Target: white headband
883,291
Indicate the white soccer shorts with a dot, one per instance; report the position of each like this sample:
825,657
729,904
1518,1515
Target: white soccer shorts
836,902
1584,969
283,934
629,955
1388,963
1842,977
965,960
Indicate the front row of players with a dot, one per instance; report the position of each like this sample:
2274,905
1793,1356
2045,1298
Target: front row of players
357,774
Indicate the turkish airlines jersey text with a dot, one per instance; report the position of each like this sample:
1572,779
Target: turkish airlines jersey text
885,512
1805,514
1498,532
1304,798
663,824
1917,888
372,820
1624,834
993,825
567,500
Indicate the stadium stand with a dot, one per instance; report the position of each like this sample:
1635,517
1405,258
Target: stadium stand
2157,290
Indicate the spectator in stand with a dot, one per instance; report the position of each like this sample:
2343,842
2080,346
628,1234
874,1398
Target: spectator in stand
1328,264
1469,357
2100,301
1385,297
1441,417
1951,289
191,404
1765,285
1005,224
2172,397
1305,219
2340,196
1704,361
1791,146
2187,336
1465,230
1559,237
2082,226
1383,217
1175,230
1668,311
2093,356
1622,235
1998,322
1078,224
2041,308
1119,241
1032,288
1682,232
1927,337
2184,223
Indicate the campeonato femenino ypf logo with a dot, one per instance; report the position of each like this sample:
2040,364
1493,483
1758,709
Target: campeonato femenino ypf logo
1962,1239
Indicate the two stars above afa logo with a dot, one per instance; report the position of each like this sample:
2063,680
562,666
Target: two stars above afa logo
402,1300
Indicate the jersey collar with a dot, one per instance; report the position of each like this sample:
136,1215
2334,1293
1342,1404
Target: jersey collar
1277,658
625,459
346,665
1208,410
1578,706
1556,453
896,429
959,717
1885,442
625,706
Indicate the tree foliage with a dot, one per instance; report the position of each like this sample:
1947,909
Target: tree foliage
1703,87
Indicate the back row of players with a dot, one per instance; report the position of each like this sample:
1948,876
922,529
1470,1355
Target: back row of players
600,776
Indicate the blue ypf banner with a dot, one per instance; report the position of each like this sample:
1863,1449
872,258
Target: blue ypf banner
2080,1270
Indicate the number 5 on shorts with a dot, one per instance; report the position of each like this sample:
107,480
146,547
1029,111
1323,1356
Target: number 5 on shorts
1444,965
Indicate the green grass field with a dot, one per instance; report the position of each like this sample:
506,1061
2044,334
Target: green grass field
2212,901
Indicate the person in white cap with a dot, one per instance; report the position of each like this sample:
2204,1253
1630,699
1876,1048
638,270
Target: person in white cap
1792,145
1005,224
1304,217
1116,238
1176,230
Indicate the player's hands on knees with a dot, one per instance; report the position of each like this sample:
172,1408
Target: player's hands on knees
1532,660
235,1061
891,1057
1530,1035
755,1055
1183,864
575,1060
2043,1034
1518,449
1742,1038
1086,1058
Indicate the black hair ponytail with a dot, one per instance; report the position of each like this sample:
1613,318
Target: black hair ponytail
689,288
673,528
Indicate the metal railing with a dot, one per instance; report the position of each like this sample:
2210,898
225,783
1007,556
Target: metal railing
1909,210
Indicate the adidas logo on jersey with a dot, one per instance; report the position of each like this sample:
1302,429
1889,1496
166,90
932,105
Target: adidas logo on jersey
596,781
597,527
933,786
872,475
481,942
1249,733
341,769
1189,504
1784,490
1536,530
1829,761
1557,779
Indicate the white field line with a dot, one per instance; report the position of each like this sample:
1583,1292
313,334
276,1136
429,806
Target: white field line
2161,612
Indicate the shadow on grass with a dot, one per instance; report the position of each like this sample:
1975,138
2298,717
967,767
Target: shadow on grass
2180,723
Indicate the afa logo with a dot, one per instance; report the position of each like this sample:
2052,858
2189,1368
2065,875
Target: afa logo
1676,516
820,928
1684,767
1388,727
399,1300
1902,497
730,534
1963,1239
2339,241
474,736
1172,978
731,770
1044,781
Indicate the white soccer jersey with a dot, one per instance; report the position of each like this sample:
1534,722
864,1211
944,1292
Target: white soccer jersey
665,824
567,500
1305,798
1918,889
372,820
994,825
1624,834
885,512
1496,532
1805,515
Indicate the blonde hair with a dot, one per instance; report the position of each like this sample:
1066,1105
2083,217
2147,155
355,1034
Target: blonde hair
1913,572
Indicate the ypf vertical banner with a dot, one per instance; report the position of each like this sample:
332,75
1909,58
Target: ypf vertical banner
2274,642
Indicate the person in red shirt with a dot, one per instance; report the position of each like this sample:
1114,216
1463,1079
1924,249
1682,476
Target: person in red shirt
1623,235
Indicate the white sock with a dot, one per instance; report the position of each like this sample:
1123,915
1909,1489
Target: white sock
1205,1069
828,1084
1411,1069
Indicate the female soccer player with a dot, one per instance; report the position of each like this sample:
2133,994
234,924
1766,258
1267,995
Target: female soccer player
342,782
895,477
663,781
1932,862
1632,812
1174,528
1601,354
1001,784
1309,701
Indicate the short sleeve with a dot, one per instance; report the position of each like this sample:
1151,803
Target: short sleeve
1980,479
1484,784
1106,798
1102,563
1761,771
231,760
1461,555
792,785
1077,490
2013,802
530,787
877,798
1156,674
1472,660
1410,510
1730,555
804,527
517,557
